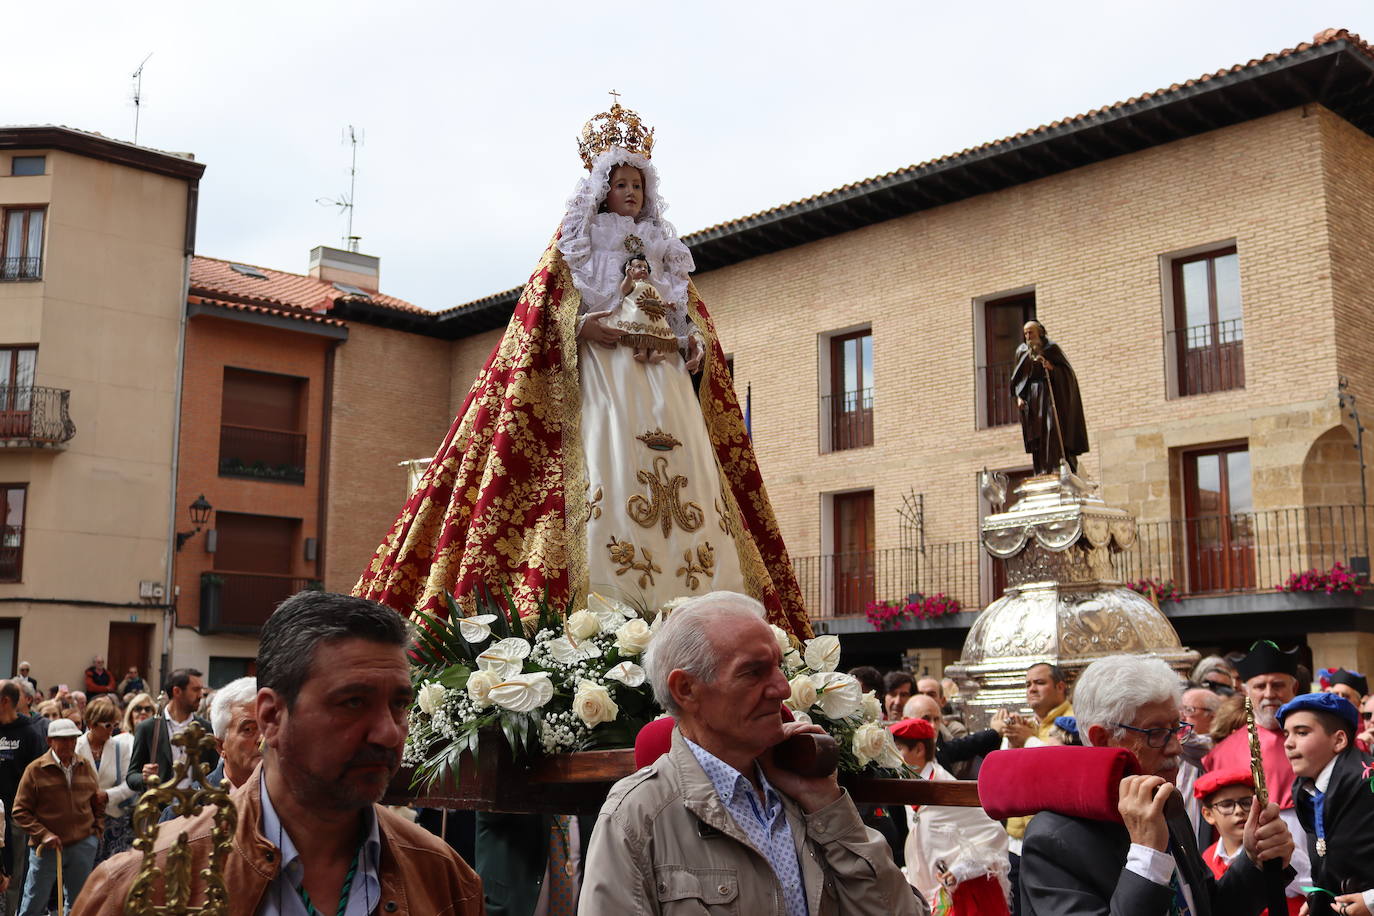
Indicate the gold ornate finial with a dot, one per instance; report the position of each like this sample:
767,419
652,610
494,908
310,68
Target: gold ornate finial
175,872
618,127
1256,757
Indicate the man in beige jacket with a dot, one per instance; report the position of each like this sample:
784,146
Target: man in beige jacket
714,823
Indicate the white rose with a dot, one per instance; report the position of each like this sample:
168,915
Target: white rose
792,660
582,625
610,614
627,673
567,652
799,716
431,697
505,658
479,687
784,641
840,694
593,704
823,653
633,636
523,692
870,739
803,692
872,707
476,629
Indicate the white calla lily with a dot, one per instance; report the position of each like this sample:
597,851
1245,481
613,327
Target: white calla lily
840,694
627,673
505,658
823,653
476,629
609,612
523,692
568,651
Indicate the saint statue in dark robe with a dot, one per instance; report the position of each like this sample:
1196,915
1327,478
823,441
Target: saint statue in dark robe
1046,390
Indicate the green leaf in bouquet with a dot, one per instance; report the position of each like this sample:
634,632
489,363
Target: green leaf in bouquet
455,677
508,606
488,604
438,644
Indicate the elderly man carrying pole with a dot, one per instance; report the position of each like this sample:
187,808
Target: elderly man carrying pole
60,806
715,823
1149,864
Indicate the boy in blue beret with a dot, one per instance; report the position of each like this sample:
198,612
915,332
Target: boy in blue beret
1334,798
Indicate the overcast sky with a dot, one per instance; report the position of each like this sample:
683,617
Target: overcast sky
470,110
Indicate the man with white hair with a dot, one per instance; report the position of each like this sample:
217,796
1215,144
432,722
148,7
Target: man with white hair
234,721
1150,863
714,822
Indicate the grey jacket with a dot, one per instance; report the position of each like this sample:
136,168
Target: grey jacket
665,844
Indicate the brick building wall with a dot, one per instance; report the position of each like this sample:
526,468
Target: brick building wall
392,403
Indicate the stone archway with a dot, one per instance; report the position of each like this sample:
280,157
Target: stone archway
1334,524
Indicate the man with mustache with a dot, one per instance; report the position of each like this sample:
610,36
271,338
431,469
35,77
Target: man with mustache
1269,678
1148,864
333,695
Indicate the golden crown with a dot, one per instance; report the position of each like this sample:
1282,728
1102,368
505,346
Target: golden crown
618,127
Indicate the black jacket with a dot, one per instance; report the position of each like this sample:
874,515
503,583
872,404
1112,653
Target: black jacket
143,737
1072,867
513,855
1348,819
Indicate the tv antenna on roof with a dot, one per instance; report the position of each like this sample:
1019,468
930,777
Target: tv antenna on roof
344,202
138,93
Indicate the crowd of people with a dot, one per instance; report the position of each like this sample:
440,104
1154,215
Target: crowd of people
711,823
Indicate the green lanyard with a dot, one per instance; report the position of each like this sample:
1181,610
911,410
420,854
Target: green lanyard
343,893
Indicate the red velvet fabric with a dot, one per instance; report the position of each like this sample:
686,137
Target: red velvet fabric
654,739
1074,781
981,896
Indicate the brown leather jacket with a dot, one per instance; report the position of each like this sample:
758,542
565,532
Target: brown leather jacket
420,874
45,806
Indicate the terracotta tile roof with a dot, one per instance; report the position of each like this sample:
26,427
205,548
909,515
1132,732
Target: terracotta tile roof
218,279
280,312
1323,37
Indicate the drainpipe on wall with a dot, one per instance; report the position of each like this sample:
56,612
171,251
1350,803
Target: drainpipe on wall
169,614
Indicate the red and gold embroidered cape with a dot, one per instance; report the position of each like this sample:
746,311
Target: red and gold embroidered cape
504,503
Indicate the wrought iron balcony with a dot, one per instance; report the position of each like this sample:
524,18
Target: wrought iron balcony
34,417
844,584
1210,357
21,268
233,602
847,418
261,454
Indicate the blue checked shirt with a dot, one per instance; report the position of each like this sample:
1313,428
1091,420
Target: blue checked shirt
764,823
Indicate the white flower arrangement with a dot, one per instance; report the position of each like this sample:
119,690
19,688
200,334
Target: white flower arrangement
571,682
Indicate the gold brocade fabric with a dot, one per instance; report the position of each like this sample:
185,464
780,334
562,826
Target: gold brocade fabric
504,503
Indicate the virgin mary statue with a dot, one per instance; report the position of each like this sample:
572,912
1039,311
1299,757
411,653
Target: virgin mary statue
576,464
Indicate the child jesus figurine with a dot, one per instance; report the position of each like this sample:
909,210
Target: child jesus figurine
641,314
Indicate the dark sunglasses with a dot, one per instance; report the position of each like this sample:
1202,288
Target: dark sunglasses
1367,716
145,709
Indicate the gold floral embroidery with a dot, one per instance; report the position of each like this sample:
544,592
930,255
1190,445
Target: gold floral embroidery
704,563
594,503
659,441
650,304
623,554
634,244
662,505
720,517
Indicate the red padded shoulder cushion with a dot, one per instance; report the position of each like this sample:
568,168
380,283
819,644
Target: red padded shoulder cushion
1069,780
655,739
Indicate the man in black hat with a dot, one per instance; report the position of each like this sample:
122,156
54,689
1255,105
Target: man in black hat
1269,678
1348,684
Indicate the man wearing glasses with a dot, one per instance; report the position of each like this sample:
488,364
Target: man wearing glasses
1366,735
1149,863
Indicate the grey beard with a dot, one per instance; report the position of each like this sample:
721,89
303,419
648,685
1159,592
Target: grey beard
1265,718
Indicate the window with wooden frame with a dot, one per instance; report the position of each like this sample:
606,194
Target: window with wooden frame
262,426
21,243
1219,522
1002,320
13,498
1209,328
847,411
17,365
853,572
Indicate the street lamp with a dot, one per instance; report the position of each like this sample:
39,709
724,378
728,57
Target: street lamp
200,514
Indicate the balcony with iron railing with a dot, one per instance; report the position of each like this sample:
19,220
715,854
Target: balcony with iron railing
21,268
35,417
1209,357
261,454
232,602
1203,557
847,420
